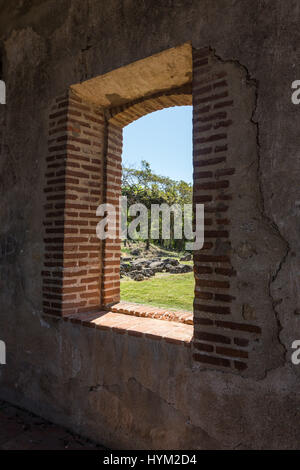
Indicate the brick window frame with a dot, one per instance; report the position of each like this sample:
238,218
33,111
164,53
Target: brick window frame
81,273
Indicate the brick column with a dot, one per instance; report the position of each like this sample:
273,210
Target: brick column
112,186
221,336
74,189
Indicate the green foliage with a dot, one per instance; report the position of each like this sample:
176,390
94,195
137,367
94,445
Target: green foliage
126,250
142,185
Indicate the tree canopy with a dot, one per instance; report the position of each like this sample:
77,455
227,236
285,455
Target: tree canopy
142,185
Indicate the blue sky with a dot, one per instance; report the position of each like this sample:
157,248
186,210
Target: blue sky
164,139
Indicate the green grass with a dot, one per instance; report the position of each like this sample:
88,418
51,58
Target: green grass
126,250
174,291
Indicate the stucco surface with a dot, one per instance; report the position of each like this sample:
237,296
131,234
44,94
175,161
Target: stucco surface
121,391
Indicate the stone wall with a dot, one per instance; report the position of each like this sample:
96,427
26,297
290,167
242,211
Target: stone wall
130,391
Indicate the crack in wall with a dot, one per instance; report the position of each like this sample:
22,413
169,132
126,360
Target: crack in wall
272,224
250,81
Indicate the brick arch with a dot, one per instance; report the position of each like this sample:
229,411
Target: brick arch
123,115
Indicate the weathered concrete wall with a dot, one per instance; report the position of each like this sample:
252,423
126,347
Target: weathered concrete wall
123,391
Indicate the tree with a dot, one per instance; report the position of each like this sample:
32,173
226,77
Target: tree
142,185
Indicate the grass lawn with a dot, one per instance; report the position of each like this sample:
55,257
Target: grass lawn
173,291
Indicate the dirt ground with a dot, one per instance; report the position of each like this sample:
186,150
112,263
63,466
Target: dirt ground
20,430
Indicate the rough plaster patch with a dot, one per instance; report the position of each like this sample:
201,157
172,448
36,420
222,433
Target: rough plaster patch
275,227
24,45
272,253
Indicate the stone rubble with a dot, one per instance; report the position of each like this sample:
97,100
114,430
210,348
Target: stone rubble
140,269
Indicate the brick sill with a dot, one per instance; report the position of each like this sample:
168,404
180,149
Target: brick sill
171,332
146,311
